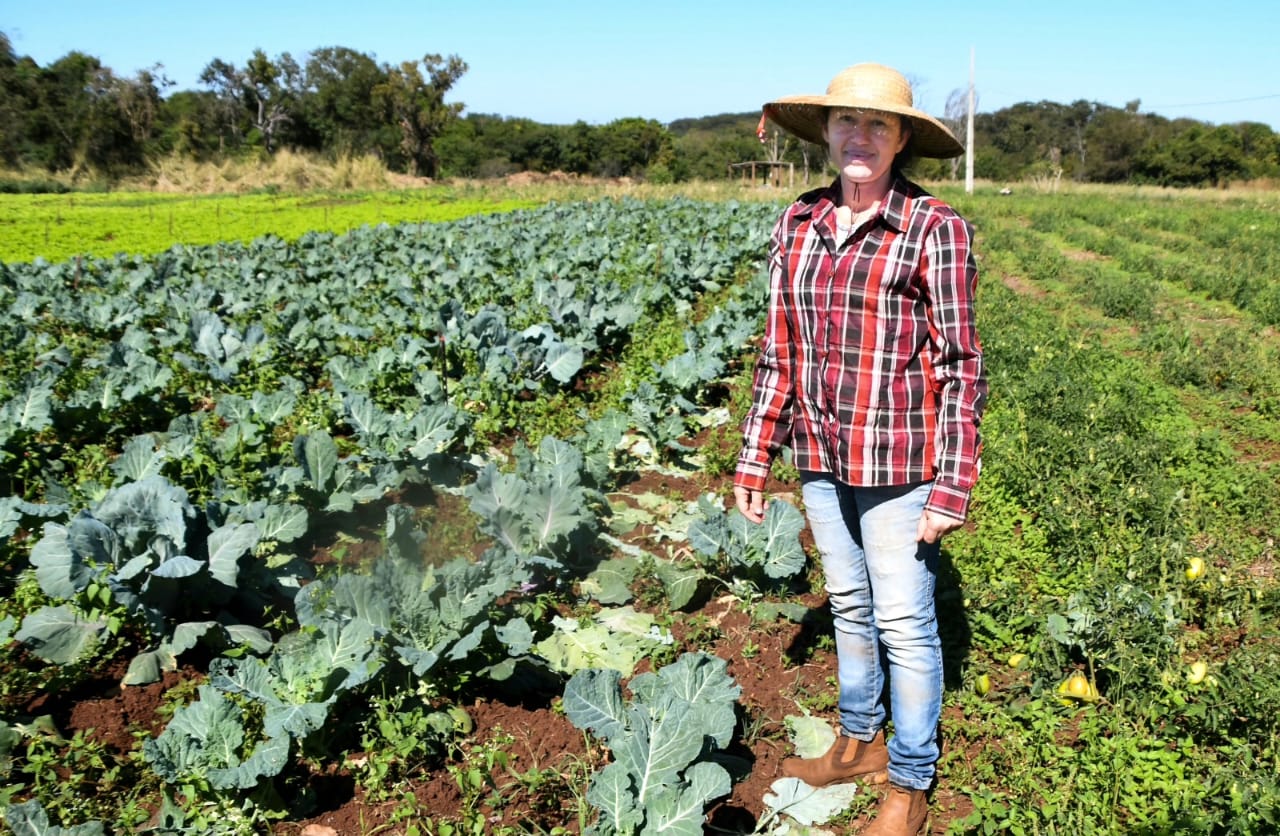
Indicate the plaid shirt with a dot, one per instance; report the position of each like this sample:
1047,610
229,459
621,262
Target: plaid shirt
871,367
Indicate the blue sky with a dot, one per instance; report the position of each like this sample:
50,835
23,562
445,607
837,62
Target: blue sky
558,61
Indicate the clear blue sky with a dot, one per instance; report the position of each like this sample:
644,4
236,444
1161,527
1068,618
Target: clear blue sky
558,61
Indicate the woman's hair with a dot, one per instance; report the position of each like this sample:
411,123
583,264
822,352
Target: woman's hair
907,156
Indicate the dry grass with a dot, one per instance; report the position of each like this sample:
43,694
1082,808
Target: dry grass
292,172
285,171
567,187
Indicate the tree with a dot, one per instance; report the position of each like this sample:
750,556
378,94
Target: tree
74,113
1025,132
461,149
140,101
628,147
339,110
577,148
706,154
1078,116
191,123
956,118
1261,149
539,149
1201,155
224,80
61,109
416,106
1116,137
264,91
18,97
106,139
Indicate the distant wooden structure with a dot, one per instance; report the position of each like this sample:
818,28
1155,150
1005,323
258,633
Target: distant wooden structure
771,172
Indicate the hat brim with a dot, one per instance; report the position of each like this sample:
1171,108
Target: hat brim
805,117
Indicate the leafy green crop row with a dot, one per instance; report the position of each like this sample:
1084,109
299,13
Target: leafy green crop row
1119,537
60,227
301,383
179,432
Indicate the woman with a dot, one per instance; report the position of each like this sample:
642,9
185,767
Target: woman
871,371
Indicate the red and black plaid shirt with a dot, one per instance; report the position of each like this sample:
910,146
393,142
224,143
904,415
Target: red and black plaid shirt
871,368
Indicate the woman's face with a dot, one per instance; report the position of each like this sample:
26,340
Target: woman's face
863,143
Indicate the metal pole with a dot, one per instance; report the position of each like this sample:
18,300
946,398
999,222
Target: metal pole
968,139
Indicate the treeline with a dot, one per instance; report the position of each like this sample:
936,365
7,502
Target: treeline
1089,142
77,115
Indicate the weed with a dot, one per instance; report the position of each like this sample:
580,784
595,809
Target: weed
755,725
401,735
647,586
720,452
700,632
476,778
80,779
822,700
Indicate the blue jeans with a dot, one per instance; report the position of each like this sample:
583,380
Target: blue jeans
880,582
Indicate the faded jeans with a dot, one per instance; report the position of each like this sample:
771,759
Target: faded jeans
880,582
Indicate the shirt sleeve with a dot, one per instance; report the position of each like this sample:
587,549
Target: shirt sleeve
951,276
767,426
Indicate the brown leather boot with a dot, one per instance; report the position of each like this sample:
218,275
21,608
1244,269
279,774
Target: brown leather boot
902,813
847,759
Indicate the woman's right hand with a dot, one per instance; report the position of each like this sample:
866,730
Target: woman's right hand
750,503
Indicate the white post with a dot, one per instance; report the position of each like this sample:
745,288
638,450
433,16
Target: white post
968,139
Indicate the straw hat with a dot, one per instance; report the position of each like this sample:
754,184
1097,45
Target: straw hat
870,86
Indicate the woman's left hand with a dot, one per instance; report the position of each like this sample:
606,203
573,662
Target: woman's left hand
750,503
932,526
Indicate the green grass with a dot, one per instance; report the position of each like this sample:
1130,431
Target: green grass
59,227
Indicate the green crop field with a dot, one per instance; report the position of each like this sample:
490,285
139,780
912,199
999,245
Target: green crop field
416,523
59,227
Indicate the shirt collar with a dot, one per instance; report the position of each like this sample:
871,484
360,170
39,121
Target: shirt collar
894,208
